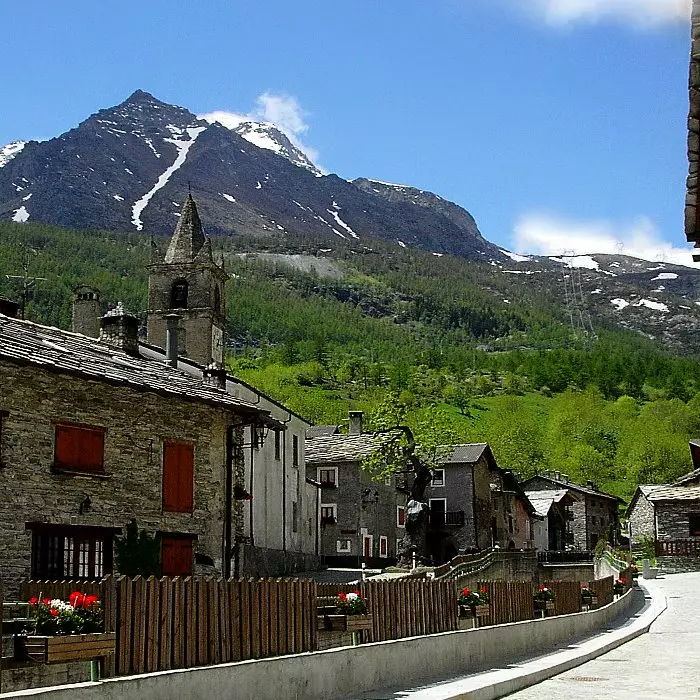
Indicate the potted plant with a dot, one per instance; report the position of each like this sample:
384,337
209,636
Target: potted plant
619,586
69,630
544,598
473,603
588,597
351,614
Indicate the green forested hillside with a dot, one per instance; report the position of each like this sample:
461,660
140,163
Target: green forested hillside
431,330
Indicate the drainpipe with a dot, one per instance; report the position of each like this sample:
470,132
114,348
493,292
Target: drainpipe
284,490
253,438
228,501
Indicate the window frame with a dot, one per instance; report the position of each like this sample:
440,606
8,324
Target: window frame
401,516
441,483
66,430
383,544
325,518
343,550
327,483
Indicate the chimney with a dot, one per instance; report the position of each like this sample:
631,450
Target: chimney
120,330
86,311
8,307
565,478
215,376
171,339
355,422
557,476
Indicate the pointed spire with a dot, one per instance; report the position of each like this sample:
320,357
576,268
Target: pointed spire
188,238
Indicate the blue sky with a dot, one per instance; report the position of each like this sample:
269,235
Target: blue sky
559,124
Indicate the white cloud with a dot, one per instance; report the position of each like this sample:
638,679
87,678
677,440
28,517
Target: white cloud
546,234
638,12
284,111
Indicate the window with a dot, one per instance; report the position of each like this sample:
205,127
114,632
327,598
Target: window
329,514
295,516
328,478
510,524
178,295
79,448
438,477
383,546
694,523
295,450
178,477
176,554
387,480
278,444
71,551
400,516
343,546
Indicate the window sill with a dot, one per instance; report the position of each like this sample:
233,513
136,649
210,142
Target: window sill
67,471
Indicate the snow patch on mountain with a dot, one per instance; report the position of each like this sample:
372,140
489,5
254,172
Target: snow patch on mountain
21,215
619,304
341,223
665,276
515,256
8,152
585,261
182,148
654,305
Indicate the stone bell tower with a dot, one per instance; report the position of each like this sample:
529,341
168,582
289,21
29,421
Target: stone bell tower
187,282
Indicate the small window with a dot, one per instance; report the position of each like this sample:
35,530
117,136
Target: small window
387,480
278,444
295,516
400,516
383,547
178,477
694,522
438,477
328,478
329,514
176,555
295,450
343,546
178,295
79,449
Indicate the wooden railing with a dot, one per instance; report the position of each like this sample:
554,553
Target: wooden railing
453,518
558,557
678,548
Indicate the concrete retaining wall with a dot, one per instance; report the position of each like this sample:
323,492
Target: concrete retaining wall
338,672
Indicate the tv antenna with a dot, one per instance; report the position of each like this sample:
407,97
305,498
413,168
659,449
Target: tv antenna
28,281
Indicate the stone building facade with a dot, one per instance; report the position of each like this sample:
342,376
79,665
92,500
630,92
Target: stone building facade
362,520
641,515
595,514
92,436
186,281
512,514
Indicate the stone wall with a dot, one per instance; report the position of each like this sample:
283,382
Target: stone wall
136,425
692,225
641,518
672,519
271,563
18,676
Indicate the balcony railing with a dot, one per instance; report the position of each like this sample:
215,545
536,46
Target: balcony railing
451,518
556,557
678,548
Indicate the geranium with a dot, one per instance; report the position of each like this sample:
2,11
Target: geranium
79,614
351,604
543,593
619,585
586,594
469,597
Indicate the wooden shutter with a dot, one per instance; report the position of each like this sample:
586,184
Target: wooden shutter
176,556
178,477
79,449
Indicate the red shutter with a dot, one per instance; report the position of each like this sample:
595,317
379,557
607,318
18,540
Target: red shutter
81,449
176,556
178,477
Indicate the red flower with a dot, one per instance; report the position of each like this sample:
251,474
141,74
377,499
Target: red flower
483,589
76,599
90,600
466,591
33,601
358,593
54,612
543,588
622,580
46,601
342,596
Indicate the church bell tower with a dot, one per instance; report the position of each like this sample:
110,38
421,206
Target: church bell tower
187,282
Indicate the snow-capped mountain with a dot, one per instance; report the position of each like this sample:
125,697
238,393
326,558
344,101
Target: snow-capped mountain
129,167
8,152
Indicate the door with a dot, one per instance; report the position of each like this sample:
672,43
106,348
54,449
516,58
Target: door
438,509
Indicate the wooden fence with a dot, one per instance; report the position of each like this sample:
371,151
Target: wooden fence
407,608
58,589
567,596
603,588
509,601
328,590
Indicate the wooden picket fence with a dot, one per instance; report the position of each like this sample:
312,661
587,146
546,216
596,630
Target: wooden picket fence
408,608
328,590
603,588
567,596
58,589
509,601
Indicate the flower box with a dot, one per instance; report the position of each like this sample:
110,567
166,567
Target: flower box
345,623
474,611
68,647
546,605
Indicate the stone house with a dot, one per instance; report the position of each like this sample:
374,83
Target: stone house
595,513
512,514
277,507
459,498
362,520
554,531
93,435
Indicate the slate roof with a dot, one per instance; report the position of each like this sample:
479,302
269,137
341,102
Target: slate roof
56,350
690,476
344,448
571,485
466,453
542,500
321,431
675,493
188,239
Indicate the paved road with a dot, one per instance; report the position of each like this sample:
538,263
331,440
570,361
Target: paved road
664,663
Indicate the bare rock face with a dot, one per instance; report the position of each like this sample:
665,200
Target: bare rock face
129,167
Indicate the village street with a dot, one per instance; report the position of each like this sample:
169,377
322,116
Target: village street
663,663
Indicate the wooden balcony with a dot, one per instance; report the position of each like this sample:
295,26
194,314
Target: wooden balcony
678,548
451,518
